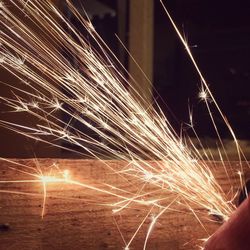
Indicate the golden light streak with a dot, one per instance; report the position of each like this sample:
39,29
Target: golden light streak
154,220
206,93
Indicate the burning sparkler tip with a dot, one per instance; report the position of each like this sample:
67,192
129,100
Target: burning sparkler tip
203,95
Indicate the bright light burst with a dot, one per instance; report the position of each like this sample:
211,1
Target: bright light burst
64,81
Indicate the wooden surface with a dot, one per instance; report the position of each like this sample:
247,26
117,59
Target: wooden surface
76,217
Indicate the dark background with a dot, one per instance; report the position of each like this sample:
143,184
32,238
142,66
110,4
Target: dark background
218,33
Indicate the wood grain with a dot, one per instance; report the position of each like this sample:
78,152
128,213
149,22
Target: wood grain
78,218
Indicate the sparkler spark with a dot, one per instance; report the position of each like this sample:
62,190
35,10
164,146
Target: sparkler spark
92,92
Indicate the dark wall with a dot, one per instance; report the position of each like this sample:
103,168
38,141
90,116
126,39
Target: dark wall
218,33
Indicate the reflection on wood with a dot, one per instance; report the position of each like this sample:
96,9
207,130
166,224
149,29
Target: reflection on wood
77,218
